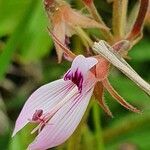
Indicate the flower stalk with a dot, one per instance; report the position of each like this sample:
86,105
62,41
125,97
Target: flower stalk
84,36
138,25
98,130
119,18
94,13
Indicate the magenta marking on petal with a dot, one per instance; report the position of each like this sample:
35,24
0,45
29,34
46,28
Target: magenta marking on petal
45,98
37,115
40,119
79,70
76,77
67,75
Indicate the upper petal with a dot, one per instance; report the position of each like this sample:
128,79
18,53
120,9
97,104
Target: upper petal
44,98
79,70
83,64
64,122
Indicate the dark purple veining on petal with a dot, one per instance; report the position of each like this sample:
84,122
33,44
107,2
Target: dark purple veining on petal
76,77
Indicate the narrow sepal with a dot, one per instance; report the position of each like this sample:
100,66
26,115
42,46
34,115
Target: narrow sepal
117,97
98,93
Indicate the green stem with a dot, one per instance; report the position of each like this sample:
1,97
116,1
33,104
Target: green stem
84,36
105,33
125,125
93,11
98,130
119,17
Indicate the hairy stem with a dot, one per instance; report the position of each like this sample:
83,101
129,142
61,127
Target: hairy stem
105,33
98,130
119,17
84,36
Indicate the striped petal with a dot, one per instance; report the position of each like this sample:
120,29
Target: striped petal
83,64
45,98
64,122
79,70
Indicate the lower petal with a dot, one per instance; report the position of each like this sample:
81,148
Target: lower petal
63,123
44,98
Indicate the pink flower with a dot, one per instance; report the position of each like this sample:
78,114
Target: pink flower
58,107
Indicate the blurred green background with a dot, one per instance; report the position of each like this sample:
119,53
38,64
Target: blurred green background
28,60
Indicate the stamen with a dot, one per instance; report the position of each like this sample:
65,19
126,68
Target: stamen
37,115
40,118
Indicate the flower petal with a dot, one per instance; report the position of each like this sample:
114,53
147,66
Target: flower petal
79,70
45,98
82,64
63,123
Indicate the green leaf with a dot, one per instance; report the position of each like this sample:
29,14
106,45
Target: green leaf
36,42
141,51
23,138
13,42
138,133
11,12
